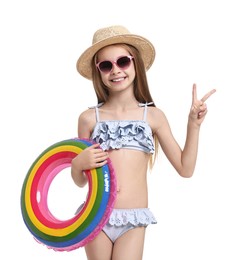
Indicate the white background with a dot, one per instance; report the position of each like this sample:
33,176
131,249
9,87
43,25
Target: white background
41,96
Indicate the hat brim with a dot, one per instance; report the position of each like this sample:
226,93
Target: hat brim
144,46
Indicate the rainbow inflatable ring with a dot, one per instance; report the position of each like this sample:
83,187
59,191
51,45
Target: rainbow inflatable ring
66,235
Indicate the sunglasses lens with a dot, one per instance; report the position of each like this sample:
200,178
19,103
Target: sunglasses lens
105,66
123,62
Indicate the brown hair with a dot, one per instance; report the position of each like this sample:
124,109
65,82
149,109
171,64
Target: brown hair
141,87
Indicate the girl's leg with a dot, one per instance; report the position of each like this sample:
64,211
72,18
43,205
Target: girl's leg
130,245
99,248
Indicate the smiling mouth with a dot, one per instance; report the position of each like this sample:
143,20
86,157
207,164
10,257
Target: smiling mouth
118,80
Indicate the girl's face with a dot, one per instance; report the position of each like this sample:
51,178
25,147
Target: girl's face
116,78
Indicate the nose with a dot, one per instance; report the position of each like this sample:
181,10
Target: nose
115,69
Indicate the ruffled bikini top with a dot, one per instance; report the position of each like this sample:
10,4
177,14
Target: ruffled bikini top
117,134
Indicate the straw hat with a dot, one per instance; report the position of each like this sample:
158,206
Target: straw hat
112,35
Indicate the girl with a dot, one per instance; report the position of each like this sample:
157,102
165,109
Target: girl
127,128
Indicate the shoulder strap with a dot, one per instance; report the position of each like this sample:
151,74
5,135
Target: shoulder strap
97,111
145,109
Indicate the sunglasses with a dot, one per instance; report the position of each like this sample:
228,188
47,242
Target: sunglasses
122,62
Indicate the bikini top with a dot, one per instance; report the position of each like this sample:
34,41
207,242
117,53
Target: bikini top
117,134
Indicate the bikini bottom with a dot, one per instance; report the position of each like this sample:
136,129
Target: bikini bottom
123,220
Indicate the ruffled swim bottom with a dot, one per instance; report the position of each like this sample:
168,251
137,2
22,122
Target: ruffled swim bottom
123,220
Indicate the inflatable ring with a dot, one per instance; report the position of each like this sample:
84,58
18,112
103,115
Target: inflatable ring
70,234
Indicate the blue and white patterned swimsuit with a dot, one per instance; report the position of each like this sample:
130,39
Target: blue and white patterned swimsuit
128,134
118,134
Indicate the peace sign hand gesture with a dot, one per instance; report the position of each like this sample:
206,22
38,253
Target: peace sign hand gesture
198,109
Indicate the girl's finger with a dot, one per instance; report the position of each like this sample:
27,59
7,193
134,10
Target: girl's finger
194,93
206,96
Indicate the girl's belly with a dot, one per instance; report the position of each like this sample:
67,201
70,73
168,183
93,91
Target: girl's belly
130,167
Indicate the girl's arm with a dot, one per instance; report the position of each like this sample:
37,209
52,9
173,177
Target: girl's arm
91,157
184,161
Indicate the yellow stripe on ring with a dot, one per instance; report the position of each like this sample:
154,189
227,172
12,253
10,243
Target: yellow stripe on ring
80,220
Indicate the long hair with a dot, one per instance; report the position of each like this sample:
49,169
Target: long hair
141,87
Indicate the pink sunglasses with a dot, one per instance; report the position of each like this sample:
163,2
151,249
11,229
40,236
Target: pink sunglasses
122,62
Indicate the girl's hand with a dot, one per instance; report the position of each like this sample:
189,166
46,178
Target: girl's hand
90,158
198,109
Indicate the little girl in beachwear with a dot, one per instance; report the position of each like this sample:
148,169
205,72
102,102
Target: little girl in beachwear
127,127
